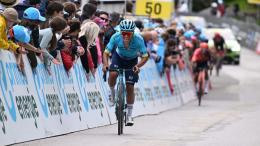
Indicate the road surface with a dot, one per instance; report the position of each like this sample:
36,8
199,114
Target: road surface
229,116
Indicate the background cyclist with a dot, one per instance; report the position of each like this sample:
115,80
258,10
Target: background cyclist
200,61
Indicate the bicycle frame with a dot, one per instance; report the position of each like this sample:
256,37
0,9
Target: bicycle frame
120,99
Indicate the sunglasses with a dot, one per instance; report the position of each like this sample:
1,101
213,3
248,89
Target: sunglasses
105,19
126,34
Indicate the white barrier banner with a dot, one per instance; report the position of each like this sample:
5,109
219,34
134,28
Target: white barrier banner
37,104
20,113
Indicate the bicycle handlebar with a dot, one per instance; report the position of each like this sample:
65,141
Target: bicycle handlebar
117,70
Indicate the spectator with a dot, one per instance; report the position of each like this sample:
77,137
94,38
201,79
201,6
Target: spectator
174,24
102,20
111,28
104,16
87,37
94,2
23,5
48,40
7,19
88,12
171,57
70,10
53,9
7,3
78,5
31,20
128,12
147,36
19,35
69,54
153,46
139,24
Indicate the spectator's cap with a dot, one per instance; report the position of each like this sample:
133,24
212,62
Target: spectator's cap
33,14
21,34
11,15
9,3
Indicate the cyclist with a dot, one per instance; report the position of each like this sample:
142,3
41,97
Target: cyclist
219,43
129,45
200,61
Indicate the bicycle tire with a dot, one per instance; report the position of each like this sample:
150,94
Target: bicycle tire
120,108
200,93
218,65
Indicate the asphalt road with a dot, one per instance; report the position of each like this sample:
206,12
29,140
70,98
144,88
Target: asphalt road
229,116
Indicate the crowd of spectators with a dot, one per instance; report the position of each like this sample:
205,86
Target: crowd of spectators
61,33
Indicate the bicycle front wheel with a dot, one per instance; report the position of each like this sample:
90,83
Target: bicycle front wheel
120,108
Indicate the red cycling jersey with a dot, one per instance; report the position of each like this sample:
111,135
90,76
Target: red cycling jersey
200,56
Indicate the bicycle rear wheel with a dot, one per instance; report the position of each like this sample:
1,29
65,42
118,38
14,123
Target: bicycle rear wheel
120,108
218,65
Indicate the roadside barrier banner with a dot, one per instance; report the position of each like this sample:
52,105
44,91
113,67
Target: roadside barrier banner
36,104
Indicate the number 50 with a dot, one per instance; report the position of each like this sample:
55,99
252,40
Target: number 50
150,9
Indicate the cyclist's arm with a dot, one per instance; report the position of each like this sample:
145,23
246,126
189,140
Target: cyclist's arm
144,54
142,62
108,50
105,58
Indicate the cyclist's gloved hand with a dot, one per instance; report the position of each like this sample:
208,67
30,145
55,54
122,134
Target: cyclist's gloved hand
136,69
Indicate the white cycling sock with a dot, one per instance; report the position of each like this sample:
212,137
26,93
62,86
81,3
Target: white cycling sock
129,109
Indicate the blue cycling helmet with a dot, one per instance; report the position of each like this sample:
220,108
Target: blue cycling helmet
21,34
33,14
127,25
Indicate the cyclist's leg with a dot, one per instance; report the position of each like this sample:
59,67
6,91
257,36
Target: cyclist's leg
115,64
195,77
131,78
130,98
130,103
206,88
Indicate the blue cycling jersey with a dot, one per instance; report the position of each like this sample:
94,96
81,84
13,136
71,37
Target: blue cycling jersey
135,48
